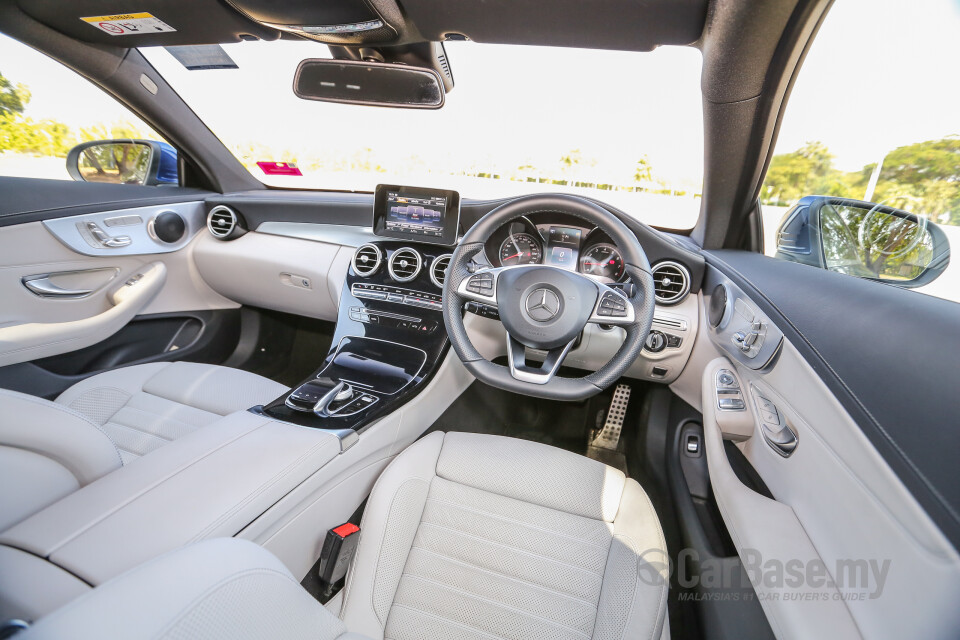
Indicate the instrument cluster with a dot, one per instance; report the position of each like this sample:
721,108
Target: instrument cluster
558,242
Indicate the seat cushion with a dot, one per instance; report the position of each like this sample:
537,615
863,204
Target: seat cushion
476,536
146,406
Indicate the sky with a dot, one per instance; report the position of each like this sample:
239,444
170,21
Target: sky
881,74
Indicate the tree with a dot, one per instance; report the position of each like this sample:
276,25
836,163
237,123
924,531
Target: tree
806,171
13,98
930,160
643,174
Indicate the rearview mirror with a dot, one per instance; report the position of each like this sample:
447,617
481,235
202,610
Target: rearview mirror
863,239
139,162
369,83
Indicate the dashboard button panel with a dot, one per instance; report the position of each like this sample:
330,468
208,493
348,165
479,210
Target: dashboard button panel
398,295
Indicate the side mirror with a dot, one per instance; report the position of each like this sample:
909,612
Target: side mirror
863,239
140,162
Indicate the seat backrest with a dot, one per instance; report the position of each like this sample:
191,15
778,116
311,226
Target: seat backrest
47,451
473,536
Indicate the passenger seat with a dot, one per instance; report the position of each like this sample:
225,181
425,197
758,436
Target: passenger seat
50,449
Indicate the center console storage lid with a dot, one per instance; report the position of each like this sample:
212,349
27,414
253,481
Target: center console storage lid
211,483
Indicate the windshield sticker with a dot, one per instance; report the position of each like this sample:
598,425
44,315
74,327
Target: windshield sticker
128,24
279,168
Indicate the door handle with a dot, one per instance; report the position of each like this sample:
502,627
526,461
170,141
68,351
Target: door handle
43,287
88,281
782,440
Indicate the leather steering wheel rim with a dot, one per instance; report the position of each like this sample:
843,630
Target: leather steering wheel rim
636,266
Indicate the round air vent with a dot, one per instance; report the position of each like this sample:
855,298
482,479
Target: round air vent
671,282
438,269
366,260
404,264
222,221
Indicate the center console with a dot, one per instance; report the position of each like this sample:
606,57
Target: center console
390,337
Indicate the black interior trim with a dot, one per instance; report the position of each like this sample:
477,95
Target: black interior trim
745,87
204,336
856,334
35,199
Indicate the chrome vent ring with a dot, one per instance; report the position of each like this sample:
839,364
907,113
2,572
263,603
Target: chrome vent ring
671,282
405,264
367,259
438,269
221,221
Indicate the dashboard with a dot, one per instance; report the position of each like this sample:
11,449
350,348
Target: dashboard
317,255
558,240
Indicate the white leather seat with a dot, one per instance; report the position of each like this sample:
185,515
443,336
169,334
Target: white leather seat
478,536
146,406
46,453
222,588
464,536
50,449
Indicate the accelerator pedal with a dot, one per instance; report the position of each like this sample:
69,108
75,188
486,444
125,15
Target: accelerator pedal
605,444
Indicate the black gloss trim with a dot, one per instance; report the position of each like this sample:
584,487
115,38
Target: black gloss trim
885,354
34,199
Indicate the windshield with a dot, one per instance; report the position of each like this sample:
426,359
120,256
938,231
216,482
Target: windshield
623,127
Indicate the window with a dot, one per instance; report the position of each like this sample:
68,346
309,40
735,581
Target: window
623,127
873,118
47,109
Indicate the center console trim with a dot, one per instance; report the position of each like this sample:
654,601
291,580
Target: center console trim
347,437
365,386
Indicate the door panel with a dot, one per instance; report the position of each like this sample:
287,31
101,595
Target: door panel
888,355
837,500
25,341
60,293
196,336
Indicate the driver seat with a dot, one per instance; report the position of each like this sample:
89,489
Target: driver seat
464,536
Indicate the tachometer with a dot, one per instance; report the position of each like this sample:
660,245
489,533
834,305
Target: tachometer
520,248
602,260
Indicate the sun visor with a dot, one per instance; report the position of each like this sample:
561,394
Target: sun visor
605,24
140,23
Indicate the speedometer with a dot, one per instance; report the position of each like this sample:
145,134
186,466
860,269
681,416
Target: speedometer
520,248
602,260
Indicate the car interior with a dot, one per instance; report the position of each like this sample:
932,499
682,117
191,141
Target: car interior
232,410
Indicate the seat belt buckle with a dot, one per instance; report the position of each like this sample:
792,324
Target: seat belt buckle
336,554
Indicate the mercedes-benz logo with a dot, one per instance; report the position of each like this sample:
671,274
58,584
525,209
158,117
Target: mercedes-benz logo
543,305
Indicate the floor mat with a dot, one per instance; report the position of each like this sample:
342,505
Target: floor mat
485,409
281,346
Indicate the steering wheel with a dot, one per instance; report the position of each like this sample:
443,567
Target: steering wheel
545,307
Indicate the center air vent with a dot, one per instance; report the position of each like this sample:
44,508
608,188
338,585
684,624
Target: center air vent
366,260
438,269
671,282
222,222
404,264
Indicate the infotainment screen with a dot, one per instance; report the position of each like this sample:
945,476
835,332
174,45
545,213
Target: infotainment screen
414,213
